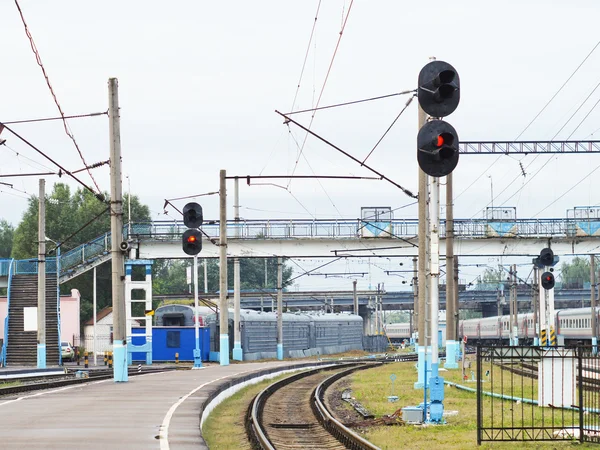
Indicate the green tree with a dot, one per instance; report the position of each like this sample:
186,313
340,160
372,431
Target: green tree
66,215
575,273
169,276
6,238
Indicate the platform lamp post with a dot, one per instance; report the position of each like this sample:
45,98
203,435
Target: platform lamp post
191,242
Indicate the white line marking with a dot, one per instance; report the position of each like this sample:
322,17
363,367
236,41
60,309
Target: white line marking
163,435
53,391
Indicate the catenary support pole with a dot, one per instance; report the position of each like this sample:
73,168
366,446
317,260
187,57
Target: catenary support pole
197,354
354,297
279,309
223,306
593,303
422,276
237,335
515,306
95,306
415,314
116,228
536,306
511,305
451,338
41,278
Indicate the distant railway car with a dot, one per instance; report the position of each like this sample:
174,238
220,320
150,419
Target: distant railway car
176,315
303,334
398,332
573,325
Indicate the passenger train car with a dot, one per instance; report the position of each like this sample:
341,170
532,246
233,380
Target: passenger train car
304,334
574,325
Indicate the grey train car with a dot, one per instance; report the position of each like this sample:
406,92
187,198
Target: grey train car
303,334
176,315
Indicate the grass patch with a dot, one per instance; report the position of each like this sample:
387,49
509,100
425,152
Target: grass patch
372,387
224,429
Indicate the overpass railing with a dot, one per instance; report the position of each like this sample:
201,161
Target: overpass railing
330,229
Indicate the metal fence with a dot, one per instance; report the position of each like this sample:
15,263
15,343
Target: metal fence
538,394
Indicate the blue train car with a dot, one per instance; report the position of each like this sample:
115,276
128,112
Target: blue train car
166,341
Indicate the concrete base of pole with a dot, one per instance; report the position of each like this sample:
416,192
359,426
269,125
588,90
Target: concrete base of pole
120,362
41,356
536,342
595,345
452,349
422,366
197,359
516,342
238,354
224,349
280,352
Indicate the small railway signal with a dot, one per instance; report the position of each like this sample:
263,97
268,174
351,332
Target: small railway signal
548,280
439,89
192,215
192,242
437,148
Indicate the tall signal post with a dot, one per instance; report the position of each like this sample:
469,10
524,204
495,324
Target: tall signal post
437,155
546,261
191,242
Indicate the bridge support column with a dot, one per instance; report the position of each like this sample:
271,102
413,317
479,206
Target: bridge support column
134,310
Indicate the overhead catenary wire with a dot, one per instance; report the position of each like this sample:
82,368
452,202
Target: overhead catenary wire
98,195
62,114
406,191
337,45
45,119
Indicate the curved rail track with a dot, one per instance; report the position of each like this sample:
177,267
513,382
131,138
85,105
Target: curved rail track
66,380
291,413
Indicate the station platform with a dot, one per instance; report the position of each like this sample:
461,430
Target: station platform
151,411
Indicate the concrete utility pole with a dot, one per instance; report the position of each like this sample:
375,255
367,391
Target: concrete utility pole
422,277
355,297
536,306
116,229
515,305
205,264
451,342
237,335
279,309
223,306
415,315
593,301
41,309
511,306
95,317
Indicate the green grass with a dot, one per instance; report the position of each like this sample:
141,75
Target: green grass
224,428
372,387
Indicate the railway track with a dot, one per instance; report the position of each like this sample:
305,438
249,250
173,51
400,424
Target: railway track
291,414
65,380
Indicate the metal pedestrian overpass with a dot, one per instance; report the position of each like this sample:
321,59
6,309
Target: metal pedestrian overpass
306,238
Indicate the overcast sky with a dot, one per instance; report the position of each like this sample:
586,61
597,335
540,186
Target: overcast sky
199,83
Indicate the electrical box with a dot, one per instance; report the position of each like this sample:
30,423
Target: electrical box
412,414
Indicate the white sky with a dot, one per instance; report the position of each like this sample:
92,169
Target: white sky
199,83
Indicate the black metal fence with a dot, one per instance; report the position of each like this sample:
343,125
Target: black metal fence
538,394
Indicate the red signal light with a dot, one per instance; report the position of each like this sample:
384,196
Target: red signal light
191,239
439,141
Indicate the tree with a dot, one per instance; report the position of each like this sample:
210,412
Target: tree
66,216
169,276
6,238
575,273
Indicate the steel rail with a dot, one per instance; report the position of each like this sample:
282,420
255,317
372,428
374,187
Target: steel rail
259,436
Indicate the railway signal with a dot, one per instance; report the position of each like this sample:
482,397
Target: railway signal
437,141
548,280
191,240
